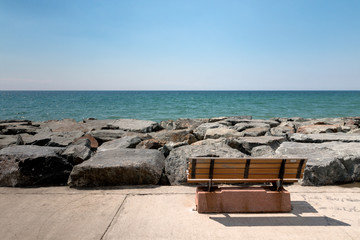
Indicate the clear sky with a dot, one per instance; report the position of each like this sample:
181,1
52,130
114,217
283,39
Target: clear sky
180,45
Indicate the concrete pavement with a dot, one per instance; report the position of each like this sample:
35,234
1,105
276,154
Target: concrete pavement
167,212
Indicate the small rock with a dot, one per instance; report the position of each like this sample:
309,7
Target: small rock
78,151
222,132
135,125
151,144
262,151
121,143
310,129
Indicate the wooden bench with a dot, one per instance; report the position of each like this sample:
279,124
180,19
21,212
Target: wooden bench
216,170
245,170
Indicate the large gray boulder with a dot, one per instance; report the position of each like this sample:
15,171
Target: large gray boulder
119,167
329,137
32,166
176,162
328,162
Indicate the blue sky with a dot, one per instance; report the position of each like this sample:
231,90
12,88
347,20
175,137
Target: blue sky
180,45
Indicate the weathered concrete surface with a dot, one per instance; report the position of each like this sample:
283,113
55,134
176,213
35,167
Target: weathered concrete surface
151,212
56,216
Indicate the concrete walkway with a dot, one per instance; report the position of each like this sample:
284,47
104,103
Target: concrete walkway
166,212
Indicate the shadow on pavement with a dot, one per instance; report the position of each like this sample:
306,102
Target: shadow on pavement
299,207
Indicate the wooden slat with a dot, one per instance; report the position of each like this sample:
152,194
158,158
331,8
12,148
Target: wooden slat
233,169
237,180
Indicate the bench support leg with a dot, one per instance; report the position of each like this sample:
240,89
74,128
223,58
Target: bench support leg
210,185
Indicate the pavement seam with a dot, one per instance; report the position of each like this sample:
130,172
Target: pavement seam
112,220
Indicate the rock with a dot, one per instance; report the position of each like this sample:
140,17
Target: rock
53,139
78,151
200,131
355,131
246,125
167,136
63,139
95,125
309,129
42,138
135,125
19,140
16,127
262,151
283,129
246,144
32,166
293,119
119,167
328,162
7,140
93,142
124,142
222,132
237,119
151,144
65,125
320,138
260,122
107,135
255,132
217,119
182,123
210,141
176,165
166,149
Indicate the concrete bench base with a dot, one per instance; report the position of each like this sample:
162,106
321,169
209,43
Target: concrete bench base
242,200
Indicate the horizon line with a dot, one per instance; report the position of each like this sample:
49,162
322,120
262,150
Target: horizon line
180,90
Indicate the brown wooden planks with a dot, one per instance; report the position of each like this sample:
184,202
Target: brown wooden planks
233,169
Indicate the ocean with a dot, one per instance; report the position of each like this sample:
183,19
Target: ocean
165,105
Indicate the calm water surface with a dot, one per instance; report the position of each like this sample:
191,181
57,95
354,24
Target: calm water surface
164,105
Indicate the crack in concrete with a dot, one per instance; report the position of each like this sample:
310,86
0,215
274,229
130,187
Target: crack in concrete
112,220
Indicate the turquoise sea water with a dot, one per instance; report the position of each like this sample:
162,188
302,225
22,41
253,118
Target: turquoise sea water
164,105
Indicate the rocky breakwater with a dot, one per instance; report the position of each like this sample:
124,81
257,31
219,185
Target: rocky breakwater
129,152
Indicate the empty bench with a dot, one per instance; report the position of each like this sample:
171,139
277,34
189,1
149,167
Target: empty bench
214,170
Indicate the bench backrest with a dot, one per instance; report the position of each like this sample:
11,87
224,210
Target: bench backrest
238,170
